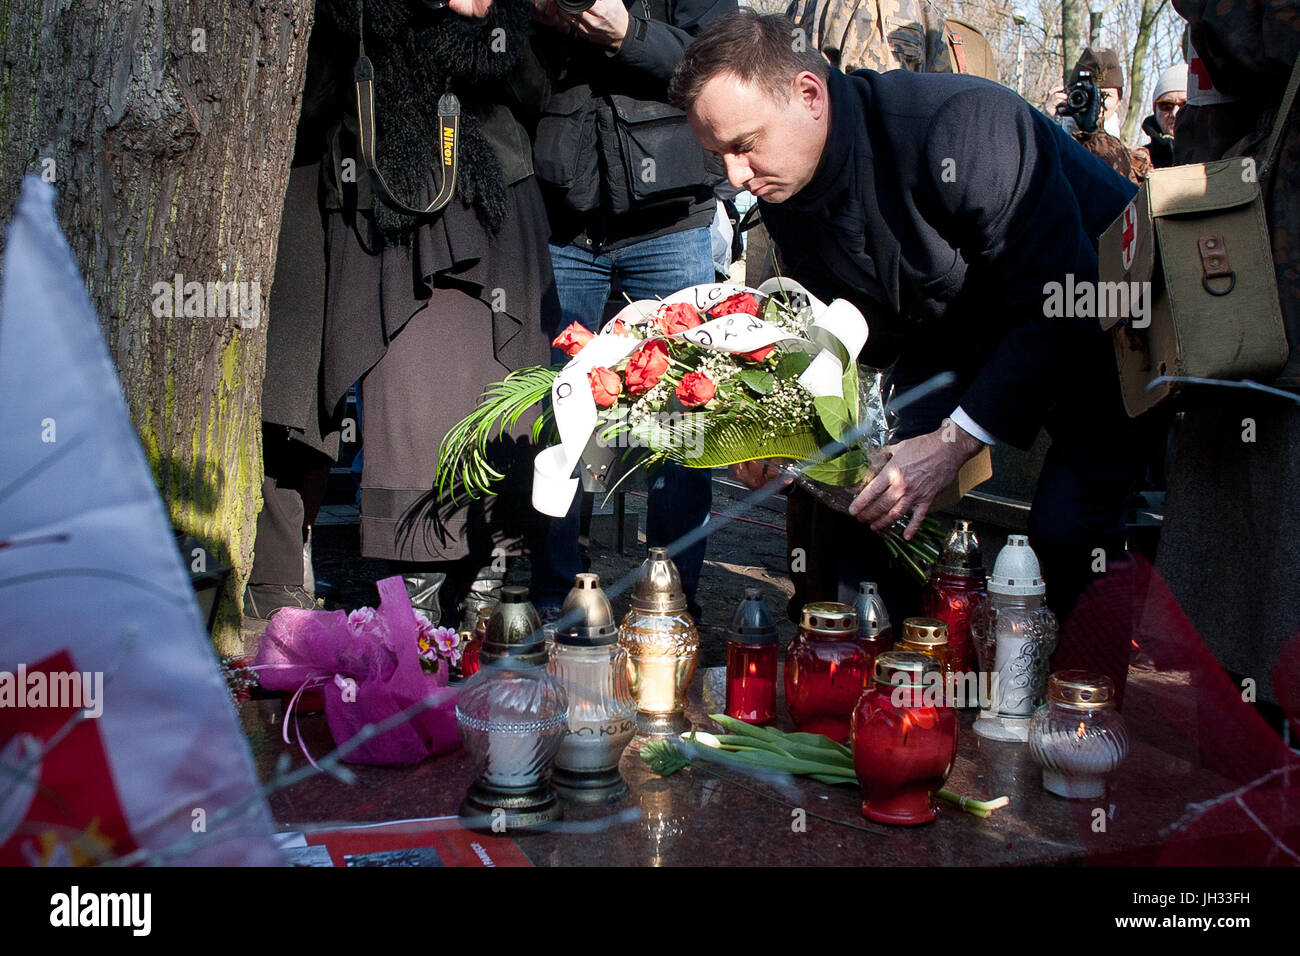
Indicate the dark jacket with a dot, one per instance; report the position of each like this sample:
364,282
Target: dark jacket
1161,147
617,164
498,95
946,237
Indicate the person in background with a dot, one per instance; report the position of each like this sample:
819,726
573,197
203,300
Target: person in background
1106,72
1170,96
1103,141
629,193
300,432
1230,545
427,309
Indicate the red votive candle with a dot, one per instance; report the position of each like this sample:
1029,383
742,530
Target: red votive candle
751,682
950,595
904,740
751,662
825,670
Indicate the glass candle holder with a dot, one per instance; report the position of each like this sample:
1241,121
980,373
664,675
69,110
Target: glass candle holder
825,670
954,587
513,716
1014,634
469,657
751,682
751,662
903,745
928,636
662,645
587,659
1077,737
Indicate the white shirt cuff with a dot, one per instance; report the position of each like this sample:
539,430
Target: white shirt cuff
967,424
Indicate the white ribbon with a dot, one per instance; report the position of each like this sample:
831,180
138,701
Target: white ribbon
576,414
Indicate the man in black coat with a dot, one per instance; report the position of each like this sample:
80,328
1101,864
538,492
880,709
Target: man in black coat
948,210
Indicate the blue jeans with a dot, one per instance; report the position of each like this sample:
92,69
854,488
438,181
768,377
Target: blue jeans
679,498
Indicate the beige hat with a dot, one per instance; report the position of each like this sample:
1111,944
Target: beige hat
1171,80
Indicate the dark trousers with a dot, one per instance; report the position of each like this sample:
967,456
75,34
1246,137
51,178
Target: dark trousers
293,489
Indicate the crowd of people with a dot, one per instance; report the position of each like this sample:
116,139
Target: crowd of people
595,149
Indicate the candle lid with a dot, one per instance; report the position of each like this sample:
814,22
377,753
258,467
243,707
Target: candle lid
925,631
752,623
514,630
829,616
903,669
592,617
658,587
1016,572
1081,689
873,619
961,553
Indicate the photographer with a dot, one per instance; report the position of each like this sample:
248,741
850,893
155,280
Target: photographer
1089,107
629,193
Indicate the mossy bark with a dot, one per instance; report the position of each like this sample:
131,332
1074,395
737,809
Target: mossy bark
167,129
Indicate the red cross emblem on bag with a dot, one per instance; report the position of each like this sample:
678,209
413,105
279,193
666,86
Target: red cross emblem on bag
1128,238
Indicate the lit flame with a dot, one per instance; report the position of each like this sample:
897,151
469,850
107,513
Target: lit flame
834,667
1082,731
753,668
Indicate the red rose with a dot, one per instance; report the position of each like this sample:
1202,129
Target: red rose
646,367
758,355
618,328
605,386
572,339
677,317
740,302
695,389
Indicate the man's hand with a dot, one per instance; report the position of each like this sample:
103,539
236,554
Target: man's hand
606,23
755,474
918,469
470,8
1054,99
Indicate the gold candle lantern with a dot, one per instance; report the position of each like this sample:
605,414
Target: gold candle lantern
662,645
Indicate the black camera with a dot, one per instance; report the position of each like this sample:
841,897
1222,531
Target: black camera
1082,103
575,6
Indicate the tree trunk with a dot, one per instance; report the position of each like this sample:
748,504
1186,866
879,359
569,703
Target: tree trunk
1071,46
168,131
1137,68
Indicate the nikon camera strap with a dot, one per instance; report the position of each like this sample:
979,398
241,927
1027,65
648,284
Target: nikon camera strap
448,135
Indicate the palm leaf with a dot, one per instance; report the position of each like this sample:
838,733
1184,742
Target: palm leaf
732,442
463,466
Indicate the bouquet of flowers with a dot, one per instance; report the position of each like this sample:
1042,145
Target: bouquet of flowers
368,666
711,376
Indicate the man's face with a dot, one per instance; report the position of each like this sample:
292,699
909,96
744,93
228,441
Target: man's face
770,148
1167,108
1109,102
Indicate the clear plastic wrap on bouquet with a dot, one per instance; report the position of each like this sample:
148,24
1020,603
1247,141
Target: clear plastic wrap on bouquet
876,430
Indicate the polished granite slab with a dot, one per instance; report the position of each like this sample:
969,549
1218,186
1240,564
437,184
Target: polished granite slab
708,817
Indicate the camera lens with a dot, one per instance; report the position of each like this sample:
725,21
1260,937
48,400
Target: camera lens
1078,100
574,6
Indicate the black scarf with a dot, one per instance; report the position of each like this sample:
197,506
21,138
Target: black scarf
417,52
